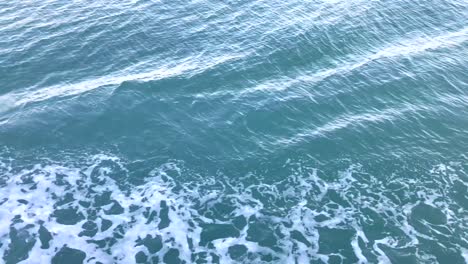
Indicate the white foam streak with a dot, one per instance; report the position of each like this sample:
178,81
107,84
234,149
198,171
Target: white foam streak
383,259
347,120
191,65
392,51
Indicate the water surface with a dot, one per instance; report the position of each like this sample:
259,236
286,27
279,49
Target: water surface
320,131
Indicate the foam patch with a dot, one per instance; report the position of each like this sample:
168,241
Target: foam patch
89,212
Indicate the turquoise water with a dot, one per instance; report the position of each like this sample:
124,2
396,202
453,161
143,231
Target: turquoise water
320,131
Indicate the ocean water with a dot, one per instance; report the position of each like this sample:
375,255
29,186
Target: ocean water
322,131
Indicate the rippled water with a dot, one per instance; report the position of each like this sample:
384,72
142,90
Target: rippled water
234,131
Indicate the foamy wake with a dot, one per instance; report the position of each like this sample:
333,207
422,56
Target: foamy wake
89,212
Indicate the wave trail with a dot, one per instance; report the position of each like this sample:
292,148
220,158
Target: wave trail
192,65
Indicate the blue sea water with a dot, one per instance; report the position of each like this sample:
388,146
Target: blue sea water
322,131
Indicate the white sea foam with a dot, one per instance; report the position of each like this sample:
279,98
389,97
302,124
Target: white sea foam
289,221
190,65
393,51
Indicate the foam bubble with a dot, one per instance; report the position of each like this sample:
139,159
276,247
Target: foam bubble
91,211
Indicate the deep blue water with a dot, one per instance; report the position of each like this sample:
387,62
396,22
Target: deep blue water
324,131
